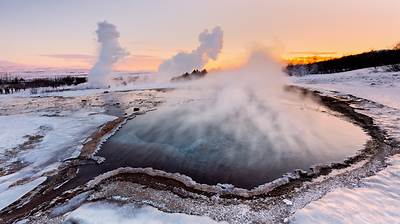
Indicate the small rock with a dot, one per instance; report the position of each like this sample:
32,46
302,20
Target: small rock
136,109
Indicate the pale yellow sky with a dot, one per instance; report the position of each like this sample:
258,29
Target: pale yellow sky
61,33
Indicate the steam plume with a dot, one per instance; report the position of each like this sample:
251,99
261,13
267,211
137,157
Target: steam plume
236,123
110,52
210,46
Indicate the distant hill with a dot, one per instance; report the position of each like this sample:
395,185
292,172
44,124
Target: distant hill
347,63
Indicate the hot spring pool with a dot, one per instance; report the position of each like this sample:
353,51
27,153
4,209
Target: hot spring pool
211,153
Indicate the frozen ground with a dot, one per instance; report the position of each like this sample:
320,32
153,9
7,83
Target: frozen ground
45,129
377,199
377,86
105,213
35,145
39,132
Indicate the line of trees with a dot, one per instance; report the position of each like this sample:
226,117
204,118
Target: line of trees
390,58
196,74
11,85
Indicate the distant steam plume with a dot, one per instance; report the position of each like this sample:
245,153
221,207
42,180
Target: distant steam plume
210,46
110,52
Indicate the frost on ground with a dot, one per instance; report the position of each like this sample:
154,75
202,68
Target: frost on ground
371,200
39,132
105,213
24,161
8,196
377,199
380,87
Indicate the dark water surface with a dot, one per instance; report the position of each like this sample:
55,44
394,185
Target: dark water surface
209,152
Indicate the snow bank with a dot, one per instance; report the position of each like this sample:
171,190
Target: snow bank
62,138
14,193
14,130
62,135
106,213
382,87
378,201
70,205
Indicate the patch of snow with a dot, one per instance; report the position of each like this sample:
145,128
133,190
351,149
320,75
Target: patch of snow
70,205
62,135
99,213
62,138
24,221
287,202
382,87
377,201
120,198
84,90
16,192
14,129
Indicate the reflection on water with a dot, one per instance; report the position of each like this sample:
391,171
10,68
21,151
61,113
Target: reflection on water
219,152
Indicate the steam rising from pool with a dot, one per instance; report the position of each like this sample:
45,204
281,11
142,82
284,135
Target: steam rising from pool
250,105
239,127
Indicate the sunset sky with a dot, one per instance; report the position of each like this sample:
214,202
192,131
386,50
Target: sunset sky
62,33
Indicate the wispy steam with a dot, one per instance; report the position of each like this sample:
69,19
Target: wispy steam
210,46
242,120
110,52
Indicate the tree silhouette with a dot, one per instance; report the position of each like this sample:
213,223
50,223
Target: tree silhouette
390,58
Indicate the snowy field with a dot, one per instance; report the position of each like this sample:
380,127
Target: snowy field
377,86
26,164
105,213
44,130
377,200
34,73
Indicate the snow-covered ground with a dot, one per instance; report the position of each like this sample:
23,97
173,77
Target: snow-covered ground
377,200
381,87
45,129
106,213
39,132
34,73
33,145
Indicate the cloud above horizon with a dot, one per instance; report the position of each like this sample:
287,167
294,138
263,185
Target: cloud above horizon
131,62
83,61
70,56
313,53
140,63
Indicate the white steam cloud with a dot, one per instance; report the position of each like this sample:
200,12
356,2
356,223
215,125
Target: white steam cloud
110,52
210,46
244,120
